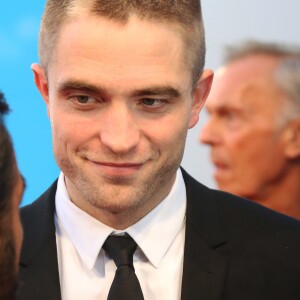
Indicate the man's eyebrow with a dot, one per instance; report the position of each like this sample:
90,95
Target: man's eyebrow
225,108
146,91
157,91
79,85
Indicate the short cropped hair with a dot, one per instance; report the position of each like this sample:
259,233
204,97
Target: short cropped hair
185,13
286,75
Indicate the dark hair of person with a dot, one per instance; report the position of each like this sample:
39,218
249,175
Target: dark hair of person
7,180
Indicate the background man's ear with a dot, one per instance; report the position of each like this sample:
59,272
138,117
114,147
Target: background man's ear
292,138
200,95
41,83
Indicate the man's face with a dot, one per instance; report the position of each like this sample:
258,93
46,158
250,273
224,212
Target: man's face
120,103
246,143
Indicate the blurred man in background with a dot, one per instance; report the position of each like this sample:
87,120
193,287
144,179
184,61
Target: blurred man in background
254,125
11,190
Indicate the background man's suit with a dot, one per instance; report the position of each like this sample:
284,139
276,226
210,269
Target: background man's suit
234,249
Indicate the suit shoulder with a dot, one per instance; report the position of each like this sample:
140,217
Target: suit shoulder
50,192
40,208
236,214
246,211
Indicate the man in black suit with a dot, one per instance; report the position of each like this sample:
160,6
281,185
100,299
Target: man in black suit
123,81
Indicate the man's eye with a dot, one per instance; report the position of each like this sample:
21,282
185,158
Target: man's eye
82,99
229,116
151,102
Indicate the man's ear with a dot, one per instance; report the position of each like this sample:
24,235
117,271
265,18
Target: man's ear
292,140
200,95
41,83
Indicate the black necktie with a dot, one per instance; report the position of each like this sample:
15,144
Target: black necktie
125,285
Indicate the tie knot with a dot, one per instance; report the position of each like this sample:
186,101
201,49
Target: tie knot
120,249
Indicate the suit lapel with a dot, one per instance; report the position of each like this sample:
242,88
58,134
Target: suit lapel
203,271
204,268
39,277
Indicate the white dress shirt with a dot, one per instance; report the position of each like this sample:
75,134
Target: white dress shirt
86,272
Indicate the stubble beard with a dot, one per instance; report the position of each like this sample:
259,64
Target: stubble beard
121,195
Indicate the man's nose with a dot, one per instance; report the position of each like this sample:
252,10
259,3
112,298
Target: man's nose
120,132
208,134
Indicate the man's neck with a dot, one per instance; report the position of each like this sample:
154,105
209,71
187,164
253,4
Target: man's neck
283,196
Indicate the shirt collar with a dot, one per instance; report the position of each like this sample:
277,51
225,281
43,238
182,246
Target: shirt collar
154,233
86,233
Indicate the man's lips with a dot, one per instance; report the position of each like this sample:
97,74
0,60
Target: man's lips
220,165
221,170
118,169
218,160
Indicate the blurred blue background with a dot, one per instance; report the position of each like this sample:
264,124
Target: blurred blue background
27,122
226,22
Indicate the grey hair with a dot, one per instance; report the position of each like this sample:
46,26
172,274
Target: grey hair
252,47
286,75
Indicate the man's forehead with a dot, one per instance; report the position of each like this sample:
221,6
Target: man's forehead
119,52
251,70
237,89
252,66
107,28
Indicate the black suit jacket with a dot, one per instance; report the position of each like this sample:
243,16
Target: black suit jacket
234,249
